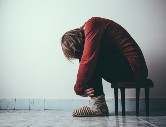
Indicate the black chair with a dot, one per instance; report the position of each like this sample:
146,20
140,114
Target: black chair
146,84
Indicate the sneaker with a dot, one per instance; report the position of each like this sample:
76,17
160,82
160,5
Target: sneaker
96,107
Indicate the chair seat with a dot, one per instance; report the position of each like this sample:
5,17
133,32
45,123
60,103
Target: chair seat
147,83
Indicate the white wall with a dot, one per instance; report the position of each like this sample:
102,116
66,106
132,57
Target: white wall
32,64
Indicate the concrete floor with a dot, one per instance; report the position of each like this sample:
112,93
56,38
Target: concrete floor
63,118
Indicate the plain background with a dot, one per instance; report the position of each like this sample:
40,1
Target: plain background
32,64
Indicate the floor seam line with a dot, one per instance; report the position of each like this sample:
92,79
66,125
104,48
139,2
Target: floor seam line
108,122
32,123
147,122
71,122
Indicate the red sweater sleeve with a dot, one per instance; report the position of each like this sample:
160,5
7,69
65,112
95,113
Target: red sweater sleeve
94,29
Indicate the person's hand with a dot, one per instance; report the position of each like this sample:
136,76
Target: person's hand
89,92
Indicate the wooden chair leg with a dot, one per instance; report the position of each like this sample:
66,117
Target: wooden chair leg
147,101
137,101
116,100
123,100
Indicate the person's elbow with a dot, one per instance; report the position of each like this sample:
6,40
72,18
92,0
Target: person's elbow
78,91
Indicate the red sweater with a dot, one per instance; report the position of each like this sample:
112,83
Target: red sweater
101,34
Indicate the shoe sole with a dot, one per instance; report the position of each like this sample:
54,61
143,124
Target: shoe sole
91,115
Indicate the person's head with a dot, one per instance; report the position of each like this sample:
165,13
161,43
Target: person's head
72,43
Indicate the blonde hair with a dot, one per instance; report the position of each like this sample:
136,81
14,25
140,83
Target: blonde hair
72,43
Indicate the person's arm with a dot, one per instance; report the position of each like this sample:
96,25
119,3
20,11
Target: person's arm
94,29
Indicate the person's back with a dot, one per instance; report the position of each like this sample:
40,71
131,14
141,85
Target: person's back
117,40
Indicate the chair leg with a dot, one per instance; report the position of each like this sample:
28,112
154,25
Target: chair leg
147,101
116,100
123,100
137,101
